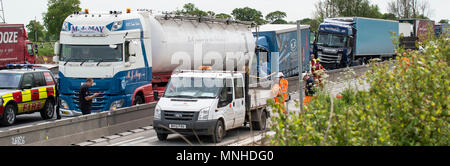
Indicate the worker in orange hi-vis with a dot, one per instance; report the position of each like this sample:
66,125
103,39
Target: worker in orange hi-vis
281,91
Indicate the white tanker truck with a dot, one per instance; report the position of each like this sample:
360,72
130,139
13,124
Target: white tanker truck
131,55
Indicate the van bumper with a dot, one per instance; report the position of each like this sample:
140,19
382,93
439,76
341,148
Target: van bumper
192,127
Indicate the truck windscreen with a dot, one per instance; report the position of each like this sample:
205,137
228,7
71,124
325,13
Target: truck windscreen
9,80
188,87
92,53
332,40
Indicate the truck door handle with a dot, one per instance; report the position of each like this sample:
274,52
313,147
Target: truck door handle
234,104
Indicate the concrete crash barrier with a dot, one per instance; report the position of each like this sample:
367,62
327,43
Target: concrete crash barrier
79,129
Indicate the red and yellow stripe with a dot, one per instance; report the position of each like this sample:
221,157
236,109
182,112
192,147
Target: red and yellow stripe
29,100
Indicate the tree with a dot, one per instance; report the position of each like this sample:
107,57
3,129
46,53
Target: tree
313,23
276,17
211,13
191,9
223,16
58,11
443,21
346,8
248,14
35,28
409,8
389,16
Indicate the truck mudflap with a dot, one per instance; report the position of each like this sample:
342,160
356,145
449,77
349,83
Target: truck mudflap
184,127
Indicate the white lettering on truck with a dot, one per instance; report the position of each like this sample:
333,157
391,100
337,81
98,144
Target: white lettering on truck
8,37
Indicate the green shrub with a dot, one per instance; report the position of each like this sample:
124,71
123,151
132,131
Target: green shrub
407,104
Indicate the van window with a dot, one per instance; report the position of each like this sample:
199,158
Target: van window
238,88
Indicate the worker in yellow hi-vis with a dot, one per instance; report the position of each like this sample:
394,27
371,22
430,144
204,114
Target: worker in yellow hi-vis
280,91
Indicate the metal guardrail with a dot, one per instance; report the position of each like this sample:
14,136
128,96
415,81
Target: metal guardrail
79,129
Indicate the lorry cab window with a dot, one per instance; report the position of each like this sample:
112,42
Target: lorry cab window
30,49
127,51
332,40
92,53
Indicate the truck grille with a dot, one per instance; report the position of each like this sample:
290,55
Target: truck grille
96,106
181,116
327,58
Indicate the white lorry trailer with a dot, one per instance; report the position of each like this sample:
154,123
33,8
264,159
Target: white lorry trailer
131,55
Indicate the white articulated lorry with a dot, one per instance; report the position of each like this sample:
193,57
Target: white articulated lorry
132,55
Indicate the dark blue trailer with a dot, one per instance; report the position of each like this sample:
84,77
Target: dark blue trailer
281,41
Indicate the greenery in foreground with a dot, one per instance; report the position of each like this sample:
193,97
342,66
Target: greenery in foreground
407,104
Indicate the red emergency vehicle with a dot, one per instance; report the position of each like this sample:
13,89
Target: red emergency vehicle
15,48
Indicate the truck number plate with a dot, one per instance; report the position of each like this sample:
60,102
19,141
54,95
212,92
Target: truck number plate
177,126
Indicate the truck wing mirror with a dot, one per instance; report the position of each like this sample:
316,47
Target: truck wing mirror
132,59
56,59
57,48
132,49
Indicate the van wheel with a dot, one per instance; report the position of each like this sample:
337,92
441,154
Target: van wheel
262,123
162,137
9,115
138,100
48,111
218,133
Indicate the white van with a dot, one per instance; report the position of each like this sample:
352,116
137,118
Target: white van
207,103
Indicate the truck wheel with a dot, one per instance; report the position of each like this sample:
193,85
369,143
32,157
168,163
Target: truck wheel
218,133
48,111
9,115
138,100
262,123
162,137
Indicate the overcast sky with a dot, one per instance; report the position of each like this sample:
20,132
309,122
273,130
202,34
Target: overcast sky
22,11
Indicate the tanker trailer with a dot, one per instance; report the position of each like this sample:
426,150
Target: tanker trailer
131,56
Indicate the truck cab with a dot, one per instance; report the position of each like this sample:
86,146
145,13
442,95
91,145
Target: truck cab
201,103
334,43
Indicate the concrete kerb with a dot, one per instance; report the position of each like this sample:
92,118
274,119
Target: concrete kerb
78,125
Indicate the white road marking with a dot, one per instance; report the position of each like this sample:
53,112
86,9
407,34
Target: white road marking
123,142
137,142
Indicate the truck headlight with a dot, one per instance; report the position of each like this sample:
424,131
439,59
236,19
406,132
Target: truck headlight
204,114
64,104
116,104
157,115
